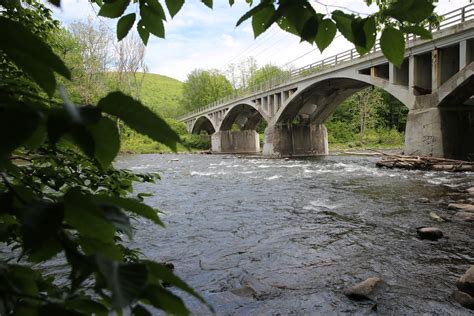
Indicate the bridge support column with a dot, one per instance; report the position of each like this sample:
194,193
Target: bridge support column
441,132
245,141
296,140
423,135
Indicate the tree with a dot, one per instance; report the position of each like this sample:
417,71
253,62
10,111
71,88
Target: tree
59,194
203,87
92,43
240,72
264,74
130,67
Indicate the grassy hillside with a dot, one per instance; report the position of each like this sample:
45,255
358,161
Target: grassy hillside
162,94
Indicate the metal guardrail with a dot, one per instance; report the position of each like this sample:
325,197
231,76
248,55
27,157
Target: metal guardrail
449,19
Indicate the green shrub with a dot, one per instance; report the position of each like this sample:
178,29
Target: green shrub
196,141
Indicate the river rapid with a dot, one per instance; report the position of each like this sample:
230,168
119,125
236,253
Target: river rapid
278,237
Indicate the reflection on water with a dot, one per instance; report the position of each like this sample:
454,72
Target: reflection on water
259,236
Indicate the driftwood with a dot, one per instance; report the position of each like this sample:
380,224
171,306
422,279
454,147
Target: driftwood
425,163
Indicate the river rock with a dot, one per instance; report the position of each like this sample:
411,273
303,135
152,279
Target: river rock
471,191
464,299
430,233
365,289
462,207
436,217
465,216
423,200
466,282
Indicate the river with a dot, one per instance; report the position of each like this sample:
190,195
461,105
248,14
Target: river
269,237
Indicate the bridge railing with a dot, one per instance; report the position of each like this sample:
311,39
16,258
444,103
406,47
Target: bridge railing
449,19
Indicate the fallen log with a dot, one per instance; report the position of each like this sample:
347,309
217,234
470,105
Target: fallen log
425,163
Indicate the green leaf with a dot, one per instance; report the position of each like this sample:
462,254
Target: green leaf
143,32
152,21
157,8
40,222
125,281
139,117
18,124
392,43
164,300
106,140
326,32
31,54
163,273
295,18
369,33
82,214
87,306
207,3
344,24
140,310
118,219
417,30
124,24
58,124
47,251
310,29
262,19
38,136
93,246
413,11
261,6
174,6
113,8
130,205
23,279
360,32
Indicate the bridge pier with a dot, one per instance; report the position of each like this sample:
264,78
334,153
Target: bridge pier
237,142
286,140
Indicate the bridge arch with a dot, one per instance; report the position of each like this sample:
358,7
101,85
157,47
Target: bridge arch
316,100
203,123
245,115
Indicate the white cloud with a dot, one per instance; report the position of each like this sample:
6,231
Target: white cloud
202,38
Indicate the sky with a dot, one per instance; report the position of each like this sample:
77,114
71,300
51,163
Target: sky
198,37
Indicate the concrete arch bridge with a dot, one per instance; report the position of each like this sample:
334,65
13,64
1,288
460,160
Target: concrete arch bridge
435,82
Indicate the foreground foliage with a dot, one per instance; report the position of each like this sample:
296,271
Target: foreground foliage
61,201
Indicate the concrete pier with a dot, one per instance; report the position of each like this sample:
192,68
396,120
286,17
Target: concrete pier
296,140
237,142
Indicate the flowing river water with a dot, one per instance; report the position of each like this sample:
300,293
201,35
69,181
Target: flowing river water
278,237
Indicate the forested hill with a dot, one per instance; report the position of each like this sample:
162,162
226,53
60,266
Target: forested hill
162,94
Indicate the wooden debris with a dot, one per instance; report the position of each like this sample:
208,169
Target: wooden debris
425,163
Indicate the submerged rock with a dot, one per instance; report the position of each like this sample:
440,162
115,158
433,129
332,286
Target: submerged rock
423,200
462,207
465,216
466,282
464,299
365,289
430,233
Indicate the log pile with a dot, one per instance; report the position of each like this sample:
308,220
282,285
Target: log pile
425,163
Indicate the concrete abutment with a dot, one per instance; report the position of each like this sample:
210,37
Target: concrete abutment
441,132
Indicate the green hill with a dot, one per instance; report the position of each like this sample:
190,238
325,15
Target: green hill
162,94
